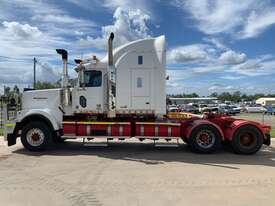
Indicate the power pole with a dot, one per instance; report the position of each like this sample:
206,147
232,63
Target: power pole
34,72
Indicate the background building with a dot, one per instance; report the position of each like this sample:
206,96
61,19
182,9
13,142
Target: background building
266,101
198,100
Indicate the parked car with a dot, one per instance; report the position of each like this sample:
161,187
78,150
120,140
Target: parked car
236,109
189,108
202,107
210,108
270,109
226,109
173,108
257,108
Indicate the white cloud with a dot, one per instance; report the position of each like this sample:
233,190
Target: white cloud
20,8
179,74
260,66
63,19
188,54
24,31
79,33
215,16
129,25
216,42
232,57
246,18
258,23
221,87
231,77
174,87
63,24
112,5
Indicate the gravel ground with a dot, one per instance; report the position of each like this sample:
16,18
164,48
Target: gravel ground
134,174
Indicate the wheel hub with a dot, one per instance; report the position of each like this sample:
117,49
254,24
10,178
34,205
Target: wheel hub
205,139
248,139
35,137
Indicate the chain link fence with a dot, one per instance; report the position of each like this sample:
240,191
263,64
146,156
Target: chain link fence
8,110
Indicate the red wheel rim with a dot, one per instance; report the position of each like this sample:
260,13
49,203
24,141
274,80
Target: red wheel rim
248,139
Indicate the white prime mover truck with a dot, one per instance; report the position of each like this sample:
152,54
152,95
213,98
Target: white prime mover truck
119,97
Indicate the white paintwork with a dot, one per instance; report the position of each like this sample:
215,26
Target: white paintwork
154,61
152,94
43,102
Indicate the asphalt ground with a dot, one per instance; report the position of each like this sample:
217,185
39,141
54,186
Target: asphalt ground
134,173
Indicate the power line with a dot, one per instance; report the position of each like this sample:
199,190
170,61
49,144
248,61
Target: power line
14,58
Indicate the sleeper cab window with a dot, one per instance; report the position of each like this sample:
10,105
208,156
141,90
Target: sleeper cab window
139,82
93,78
140,60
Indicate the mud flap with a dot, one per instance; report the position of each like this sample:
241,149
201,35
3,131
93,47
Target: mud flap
267,140
11,139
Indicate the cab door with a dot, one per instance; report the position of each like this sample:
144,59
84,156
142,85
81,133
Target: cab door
89,97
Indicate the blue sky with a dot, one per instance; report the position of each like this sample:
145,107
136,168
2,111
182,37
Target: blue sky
212,45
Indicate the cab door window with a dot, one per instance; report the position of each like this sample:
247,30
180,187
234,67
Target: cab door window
93,78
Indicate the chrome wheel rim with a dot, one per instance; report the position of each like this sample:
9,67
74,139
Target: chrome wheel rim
35,137
205,139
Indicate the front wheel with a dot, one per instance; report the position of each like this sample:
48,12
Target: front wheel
205,139
247,140
36,136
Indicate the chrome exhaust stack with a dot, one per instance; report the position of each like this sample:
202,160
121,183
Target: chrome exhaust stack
111,96
65,77
110,49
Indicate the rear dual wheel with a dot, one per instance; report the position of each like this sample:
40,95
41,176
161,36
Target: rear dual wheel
205,139
247,140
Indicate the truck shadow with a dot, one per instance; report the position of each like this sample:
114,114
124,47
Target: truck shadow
150,155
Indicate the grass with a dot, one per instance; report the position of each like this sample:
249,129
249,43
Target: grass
272,133
1,132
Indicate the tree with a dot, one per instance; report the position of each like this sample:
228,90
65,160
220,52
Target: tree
225,96
16,89
46,85
7,91
236,96
214,94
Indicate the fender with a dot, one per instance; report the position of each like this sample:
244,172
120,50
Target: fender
239,123
52,116
196,123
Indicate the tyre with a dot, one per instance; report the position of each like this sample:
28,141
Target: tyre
205,139
36,136
247,139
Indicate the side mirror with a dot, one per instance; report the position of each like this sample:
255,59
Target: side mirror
81,75
77,61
